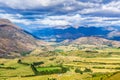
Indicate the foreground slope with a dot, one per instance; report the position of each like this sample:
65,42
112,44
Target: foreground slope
14,39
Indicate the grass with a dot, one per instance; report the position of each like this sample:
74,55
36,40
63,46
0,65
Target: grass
68,76
20,70
103,64
114,77
48,68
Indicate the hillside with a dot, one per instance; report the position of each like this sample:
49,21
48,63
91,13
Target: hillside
14,39
114,77
96,41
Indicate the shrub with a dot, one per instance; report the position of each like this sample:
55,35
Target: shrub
52,79
34,69
19,61
87,70
25,53
64,69
52,58
99,67
77,70
38,63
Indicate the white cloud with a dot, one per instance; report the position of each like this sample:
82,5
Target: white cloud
62,21
111,9
9,16
114,34
15,18
77,21
53,22
113,4
30,4
33,4
86,13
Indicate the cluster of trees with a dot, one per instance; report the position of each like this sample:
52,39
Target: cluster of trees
34,69
52,79
78,70
60,69
20,62
91,51
102,76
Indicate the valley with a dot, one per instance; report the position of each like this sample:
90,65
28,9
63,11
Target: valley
59,39
72,65
23,57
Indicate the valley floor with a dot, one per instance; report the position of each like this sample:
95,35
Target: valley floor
78,68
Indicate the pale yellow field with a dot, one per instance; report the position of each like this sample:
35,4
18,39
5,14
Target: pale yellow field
22,71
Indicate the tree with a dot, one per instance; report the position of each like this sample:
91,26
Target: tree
77,70
19,61
87,70
34,69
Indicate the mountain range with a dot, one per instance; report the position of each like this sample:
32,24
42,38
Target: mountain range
71,33
14,40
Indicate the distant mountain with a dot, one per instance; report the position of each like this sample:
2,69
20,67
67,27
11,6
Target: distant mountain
14,39
53,34
97,41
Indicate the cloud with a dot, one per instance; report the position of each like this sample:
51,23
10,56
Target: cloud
114,34
9,16
61,13
75,20
54,22
111,9
1,11
15,18
30,4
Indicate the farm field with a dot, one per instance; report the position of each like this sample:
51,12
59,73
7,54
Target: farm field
75,68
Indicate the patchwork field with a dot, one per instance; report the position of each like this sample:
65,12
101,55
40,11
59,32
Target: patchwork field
60,68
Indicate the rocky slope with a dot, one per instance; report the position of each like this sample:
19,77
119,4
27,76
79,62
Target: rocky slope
14,39
96,41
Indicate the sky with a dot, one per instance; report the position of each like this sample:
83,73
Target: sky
36,14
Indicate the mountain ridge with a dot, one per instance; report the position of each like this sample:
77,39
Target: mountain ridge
14,39
96,41
72,33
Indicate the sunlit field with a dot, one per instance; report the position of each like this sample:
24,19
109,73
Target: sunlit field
62,67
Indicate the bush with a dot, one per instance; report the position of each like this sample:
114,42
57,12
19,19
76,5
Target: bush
38,63
2,64
91,51
52,79
25,53
34,69
53,58
19,61
64,69
77,70
87,70
99,67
